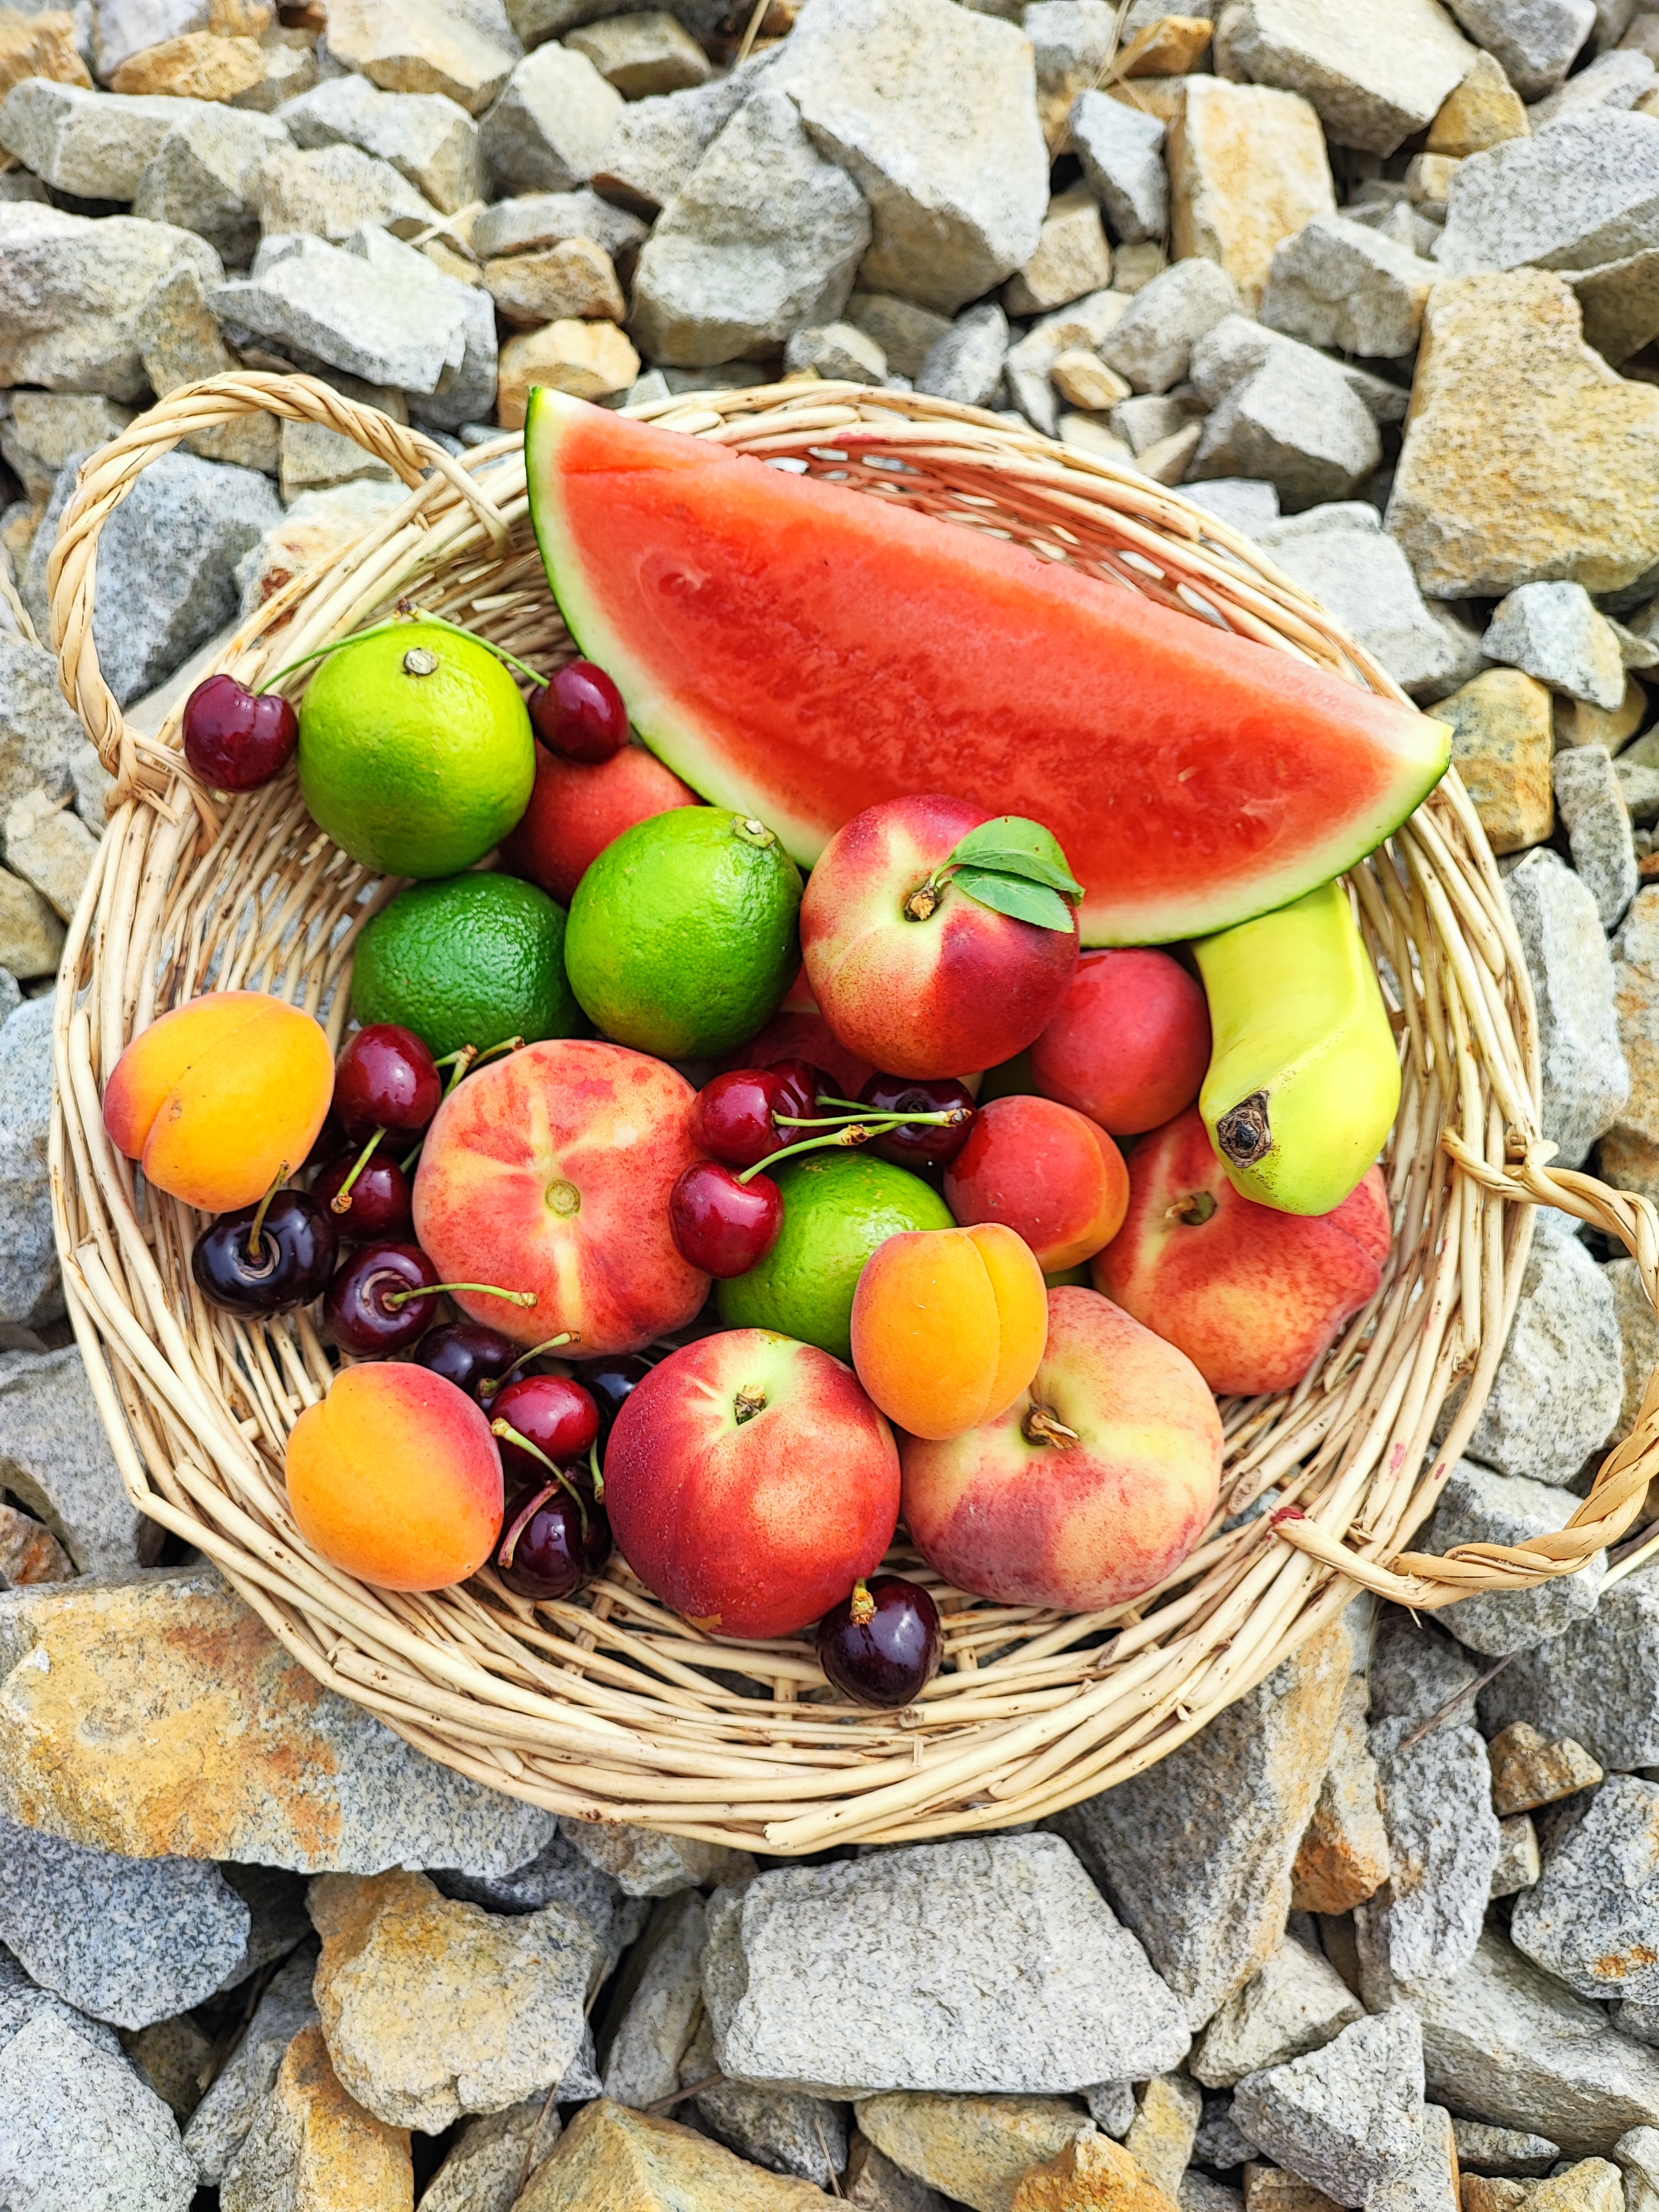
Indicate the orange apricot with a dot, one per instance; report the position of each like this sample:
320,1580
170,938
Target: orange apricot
395,1477
215,1097
949,1325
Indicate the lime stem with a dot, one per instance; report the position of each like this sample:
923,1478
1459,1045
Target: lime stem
501,1381
256,1227
341,1201
859,1133
434,1290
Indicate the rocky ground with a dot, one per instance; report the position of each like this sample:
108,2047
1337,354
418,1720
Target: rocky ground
1380,284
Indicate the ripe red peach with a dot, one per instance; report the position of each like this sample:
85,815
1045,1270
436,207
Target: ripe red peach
1129,1043
1091,1488
550,1171
216,1096
1049,1174
1254,1297
946,991
750,1483
948,1326
577,808
395,1477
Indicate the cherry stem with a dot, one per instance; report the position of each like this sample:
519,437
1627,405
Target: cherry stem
256,1227
861,1605
499,1382
341,1201
435,1290
462,1059
510,1435
595,1470
407,612
949,1117
859,1133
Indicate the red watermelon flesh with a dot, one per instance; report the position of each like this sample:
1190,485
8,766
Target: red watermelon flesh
799,652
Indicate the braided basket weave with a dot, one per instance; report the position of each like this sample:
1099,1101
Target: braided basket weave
609,1707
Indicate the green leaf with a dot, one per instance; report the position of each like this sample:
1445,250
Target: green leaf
1014,847
1016,896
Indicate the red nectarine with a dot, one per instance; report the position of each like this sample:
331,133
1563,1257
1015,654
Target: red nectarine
1129,1043
1052,1175
576,810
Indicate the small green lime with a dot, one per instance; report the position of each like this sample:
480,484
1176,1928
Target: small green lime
837,1208
415,750
683,933
473,960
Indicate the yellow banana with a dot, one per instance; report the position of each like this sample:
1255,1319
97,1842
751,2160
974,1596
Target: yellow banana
1303,1082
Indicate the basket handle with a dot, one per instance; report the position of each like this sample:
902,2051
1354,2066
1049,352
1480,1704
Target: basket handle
139,766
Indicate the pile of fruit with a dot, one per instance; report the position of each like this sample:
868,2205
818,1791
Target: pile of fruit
661,1200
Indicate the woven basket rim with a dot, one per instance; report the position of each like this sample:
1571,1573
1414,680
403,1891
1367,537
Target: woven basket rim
610,1707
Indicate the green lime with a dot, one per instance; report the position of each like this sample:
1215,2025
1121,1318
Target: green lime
837,1208
683,933
473,960
415,750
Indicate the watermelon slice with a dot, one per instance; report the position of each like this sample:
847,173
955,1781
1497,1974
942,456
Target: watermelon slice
798,651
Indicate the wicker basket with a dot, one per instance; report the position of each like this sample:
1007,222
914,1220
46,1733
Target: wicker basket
609,1707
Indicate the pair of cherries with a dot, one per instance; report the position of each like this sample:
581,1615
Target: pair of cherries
725,1215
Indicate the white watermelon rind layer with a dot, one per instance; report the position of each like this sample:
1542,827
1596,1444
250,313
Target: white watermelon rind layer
692,749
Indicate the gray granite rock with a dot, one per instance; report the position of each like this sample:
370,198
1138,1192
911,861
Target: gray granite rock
558,1872
1211,1914
1443,1845
465,390
205,177
552,123
1554,632
644,1862
55,1459
785,2130
766,237
1591,1918
1111,2107
1615,80
1226,357
1220,2142
644,2062
1290,2006
72,290
1347,2117
1415,1670
320,303
129,1941
966,365
1640,2021
1121,150
40,733
166,558
1580,194
1478,1507
1597,1682
1505,2043
1518,1861
544,219
218,2126
329,192
1240,502
1294,423
278,1921
112,31
1361,576
1339,283
1086,323
1561,1382
79,2132
490,2157
658,143
45,428
860,1975
1482,2149
1586,1077
1589,803
1534,43
92,144
1376,83
1152,343
430,140
23,1999
31,1291
931,111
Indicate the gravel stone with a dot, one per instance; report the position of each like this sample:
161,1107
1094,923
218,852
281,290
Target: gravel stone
764,239
1535,43
1553,632
1071,258
1086,323
464,49
1560,1382
543,219
331,192
873,2183
45,428
1478,1507
22,2000
1072,40
1152,342
1597,1682
1346,2117
1290,2006
1361,576
966,365
1344,1855
974,2150
575,277
1121,150
71,292
55,1460
854,1977
1527,1771
489,2158
1637,2156
426,137
558,1874
1220,2142
40,733
1337,283
783,2130
1444,1838
1415,1670
79,2132
1246,505
1295,423
1112,2107
1486,2149
94,144
311,2140
219,2126
1247,169
31,1292
1374,73
839,350
644,2063
550,127
206,177
180,341
642,55
1503,738
1518,1861
1590,804
324,304
50,849
657,143
1590,1919
1237,347
1587,1080
1584,192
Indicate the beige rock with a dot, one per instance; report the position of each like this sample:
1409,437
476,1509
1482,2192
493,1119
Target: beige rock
1492,2192
1579,722
197,66
1429,179
1083,378
31,935
575,277
1134,267
492,2157
1093,2174
180,343
288,59
1485,109
1638,1338
1269,2189
30,1553
588,359
1163,96
311,2149
465,48
1502,742
873,2182
433,2008
1071,259
610,2159
318,525
1343,1857
175,2058
332,191
643,54
1619,302
49,429
1246,171
973,2148
1087,433
1526,459
50,848
1161,2133
1165,461
1519,1862
40,46
1172,47
1527,1771
1629,1149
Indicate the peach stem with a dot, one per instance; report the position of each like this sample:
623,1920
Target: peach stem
341,1201
435,1290
1041,1426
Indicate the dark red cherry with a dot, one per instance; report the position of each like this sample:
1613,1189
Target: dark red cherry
377,1202
613,1379
555,1414
467,1354
580,714
927,1144
236,739
330,1140
553,1543
289,1265
722,1225
385,1079
359,1309
732,1116
803,1086
880,1646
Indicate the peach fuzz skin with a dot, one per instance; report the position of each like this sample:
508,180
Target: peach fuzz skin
1047,1173
1129,1043
217,1096
750,1483
395,1477
1007,1515
961,990
578,808
1254,1297
948,1326
550,1171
